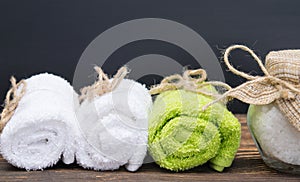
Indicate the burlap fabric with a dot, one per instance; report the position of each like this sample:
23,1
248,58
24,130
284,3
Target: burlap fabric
280,84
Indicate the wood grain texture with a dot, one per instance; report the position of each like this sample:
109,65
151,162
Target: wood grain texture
248,166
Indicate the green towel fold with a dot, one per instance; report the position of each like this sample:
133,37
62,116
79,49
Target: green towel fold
182,136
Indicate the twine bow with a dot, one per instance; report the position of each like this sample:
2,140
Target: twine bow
192,80
12,100
263,90
103,84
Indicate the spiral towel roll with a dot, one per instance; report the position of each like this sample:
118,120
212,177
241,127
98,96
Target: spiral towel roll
40,130
182,136
113,128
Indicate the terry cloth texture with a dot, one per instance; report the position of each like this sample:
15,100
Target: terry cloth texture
38,134
113,128
183,136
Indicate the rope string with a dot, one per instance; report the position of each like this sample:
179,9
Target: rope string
103,84
263,90
283,88
191,80
12,100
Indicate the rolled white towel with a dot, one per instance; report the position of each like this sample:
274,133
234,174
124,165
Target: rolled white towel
113,128
40,131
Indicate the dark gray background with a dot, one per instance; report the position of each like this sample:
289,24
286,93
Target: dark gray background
43,35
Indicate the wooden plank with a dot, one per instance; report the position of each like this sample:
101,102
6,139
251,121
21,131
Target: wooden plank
248,166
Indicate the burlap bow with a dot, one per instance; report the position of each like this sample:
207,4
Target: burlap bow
12,100
281,83
103,84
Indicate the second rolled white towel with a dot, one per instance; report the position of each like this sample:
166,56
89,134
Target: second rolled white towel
113,128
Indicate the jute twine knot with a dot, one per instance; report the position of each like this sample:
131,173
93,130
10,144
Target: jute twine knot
280,83
12,100
191,80
103,84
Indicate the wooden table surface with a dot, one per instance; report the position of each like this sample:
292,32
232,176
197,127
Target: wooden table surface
248,166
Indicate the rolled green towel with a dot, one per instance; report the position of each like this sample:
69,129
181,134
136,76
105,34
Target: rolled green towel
182,136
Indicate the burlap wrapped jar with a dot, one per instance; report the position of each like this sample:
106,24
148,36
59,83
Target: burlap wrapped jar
274,113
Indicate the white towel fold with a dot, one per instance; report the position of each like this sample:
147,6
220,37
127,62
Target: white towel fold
41,130
113,128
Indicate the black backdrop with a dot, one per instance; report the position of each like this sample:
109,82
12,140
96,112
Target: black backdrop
50,35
